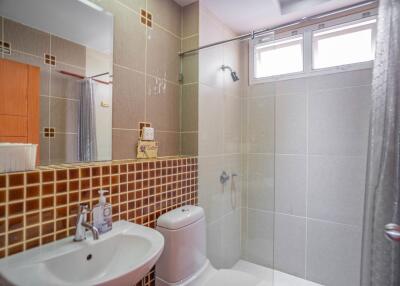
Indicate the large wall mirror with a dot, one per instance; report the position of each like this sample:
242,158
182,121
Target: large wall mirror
60,53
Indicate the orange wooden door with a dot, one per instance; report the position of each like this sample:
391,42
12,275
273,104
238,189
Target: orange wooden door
19,102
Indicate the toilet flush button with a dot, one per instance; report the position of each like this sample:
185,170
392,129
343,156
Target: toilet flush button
185,210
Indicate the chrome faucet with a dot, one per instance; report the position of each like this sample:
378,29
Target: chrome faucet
82,225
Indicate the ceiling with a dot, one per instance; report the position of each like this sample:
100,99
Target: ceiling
70,20
243,16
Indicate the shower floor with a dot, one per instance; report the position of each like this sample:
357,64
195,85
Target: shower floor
271,277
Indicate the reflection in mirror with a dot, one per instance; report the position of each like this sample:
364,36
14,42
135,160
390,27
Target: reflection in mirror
56,78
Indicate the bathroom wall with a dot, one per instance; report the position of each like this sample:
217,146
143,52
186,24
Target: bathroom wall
305,167
146,73
190,80
40,206
59,93
219,140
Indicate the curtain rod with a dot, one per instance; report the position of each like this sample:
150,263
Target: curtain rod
257,33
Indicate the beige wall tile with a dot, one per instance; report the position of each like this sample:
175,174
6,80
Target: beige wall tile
128,98
190,25
129,38
65,86
124,144
190,106
64,148
163,54
64,115
44,112
189,143
169,143
68,52
163,104
44,150
134,4
166,14
26,39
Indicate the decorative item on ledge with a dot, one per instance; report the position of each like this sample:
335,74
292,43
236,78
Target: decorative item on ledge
146,148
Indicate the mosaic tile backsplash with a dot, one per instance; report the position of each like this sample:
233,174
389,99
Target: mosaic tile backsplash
39,207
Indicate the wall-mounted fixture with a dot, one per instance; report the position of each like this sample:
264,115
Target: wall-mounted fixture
224,177
234,75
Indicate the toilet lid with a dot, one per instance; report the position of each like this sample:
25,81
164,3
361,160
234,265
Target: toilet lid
232,278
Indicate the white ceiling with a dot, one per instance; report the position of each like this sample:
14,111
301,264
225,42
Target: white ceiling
70,20
243,16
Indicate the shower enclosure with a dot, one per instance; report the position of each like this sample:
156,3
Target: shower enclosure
294,214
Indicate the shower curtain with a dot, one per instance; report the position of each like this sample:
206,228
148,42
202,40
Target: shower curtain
87,122
381,256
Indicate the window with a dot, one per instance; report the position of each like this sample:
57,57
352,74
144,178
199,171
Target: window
341,44
279,57
349,44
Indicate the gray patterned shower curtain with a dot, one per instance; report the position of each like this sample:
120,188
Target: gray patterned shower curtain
381,256
87,122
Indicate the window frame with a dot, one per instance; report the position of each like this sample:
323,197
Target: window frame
308,58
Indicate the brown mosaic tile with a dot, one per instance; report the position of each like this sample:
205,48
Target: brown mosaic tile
2,181
16,194
47,176
32,191
33,178
61,175
15,180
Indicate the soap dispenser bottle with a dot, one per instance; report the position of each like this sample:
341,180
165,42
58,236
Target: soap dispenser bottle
102,216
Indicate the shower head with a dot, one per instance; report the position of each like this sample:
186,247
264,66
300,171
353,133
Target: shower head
234,75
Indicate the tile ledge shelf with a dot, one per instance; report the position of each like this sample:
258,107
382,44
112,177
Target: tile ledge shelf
99,164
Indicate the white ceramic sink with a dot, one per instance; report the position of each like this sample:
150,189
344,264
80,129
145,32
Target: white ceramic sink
120,257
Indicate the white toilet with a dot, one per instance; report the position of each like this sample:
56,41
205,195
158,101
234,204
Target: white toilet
184,261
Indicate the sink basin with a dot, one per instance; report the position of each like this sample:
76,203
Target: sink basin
120,257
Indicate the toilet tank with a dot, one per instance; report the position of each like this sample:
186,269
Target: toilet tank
184,230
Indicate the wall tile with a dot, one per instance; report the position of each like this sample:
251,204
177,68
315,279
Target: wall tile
260,185
189,143
64,115
214,249
291,184
169,143
333,253
190,20
210,122
190,68
124,144
231,238
211,192
128,98
167,14
163,104
19,35
232,121
341,80
336,189
291,124
260,240
136,5
68,52
129,39
163,54
289,244
190,108
334,128
64,148
210,62
261,125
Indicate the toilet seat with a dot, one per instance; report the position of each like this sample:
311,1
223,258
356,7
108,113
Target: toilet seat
232,278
